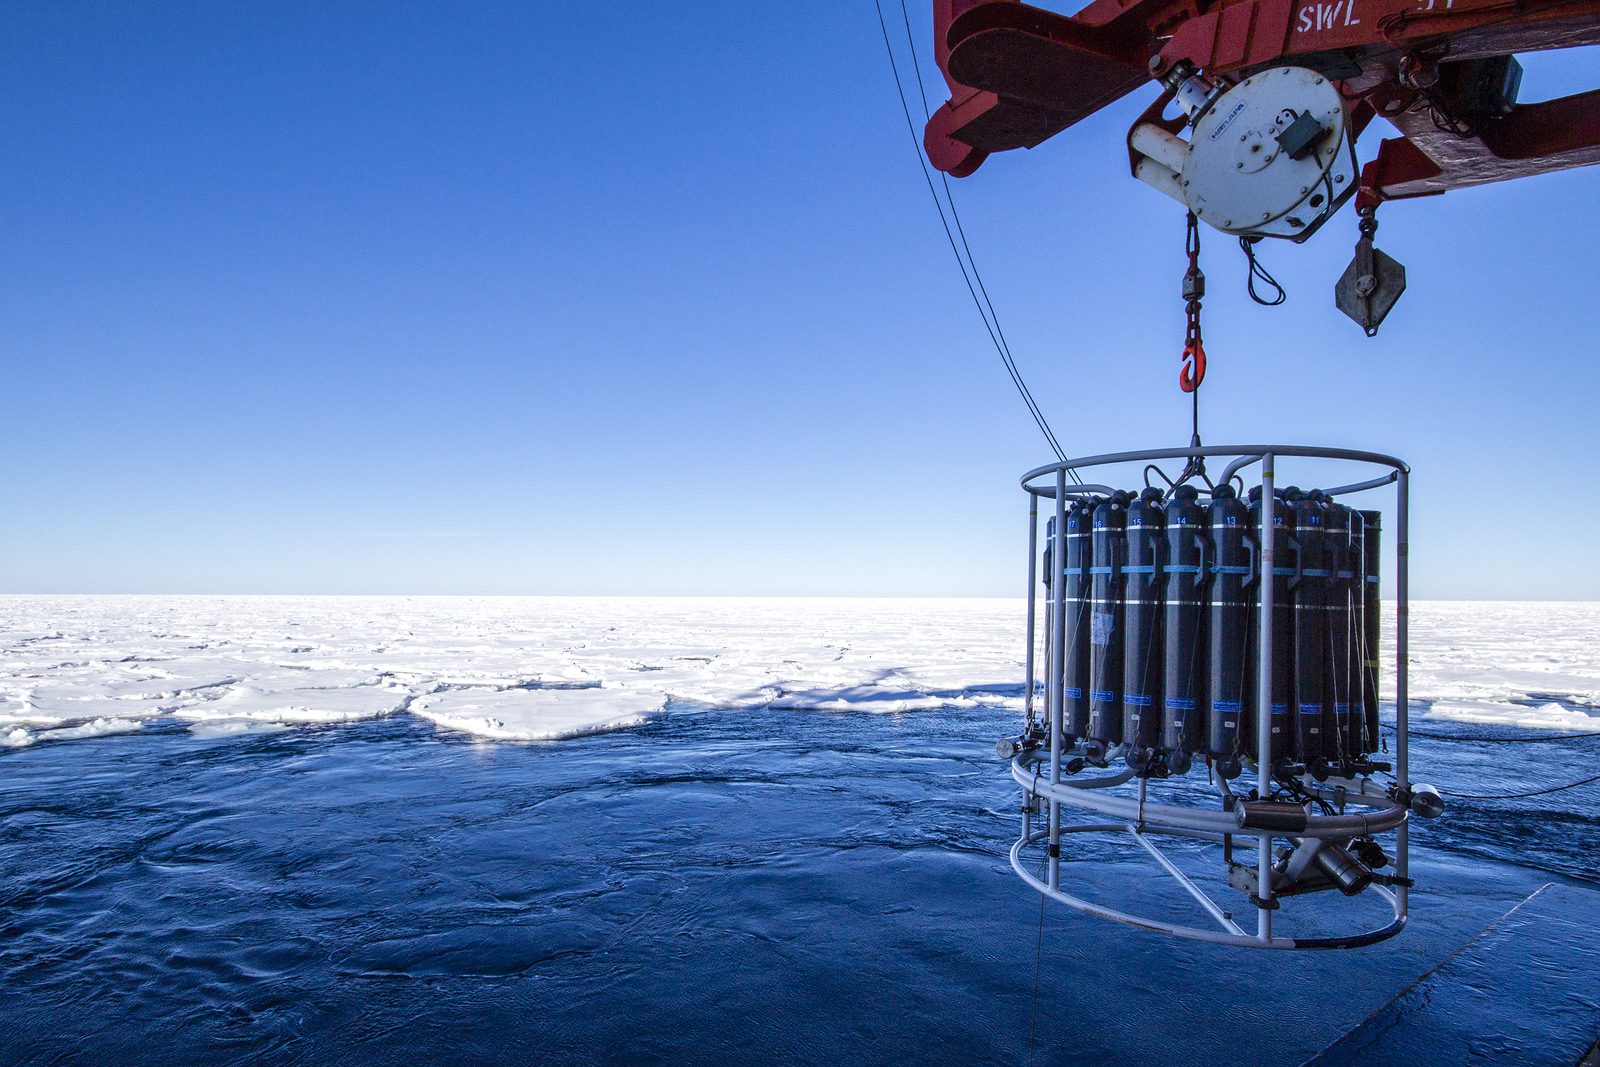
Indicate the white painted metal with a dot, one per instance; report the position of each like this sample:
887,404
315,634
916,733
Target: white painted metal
1234,174
1402,655
1269,561
1238,179
1205,902
1058,592
1159,146
1159,177
1033,580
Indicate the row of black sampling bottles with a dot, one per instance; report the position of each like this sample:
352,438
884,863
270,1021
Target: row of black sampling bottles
1162,620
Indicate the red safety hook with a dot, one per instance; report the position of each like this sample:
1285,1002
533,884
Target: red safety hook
1194,367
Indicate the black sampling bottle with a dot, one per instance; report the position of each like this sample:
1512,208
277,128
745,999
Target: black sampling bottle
1145,538
1184,609
1278,702
1310,589
1229,657
1107,549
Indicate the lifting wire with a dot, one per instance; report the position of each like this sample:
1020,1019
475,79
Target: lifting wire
991,323
1519,796
991,319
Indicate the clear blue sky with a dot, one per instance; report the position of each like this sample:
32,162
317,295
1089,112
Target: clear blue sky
650,298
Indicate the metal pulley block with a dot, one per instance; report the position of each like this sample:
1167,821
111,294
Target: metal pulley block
1267,157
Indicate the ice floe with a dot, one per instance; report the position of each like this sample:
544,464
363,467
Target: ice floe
539,714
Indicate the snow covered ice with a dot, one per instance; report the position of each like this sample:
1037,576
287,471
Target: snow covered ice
543,668
503,668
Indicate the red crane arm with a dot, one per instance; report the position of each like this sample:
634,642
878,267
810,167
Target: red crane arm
1019,74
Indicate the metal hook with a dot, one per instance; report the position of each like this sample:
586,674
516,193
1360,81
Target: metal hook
1194,368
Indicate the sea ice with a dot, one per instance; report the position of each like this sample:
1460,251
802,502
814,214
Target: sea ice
96,728
546,667
539,714
299,705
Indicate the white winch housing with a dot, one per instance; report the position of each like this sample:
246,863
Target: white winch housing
1237,173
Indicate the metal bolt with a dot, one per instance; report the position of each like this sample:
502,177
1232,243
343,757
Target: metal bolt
1305,189
1338,179
1265,215
1227,222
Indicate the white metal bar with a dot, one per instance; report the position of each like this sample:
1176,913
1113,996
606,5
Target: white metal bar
1149,828
1183,880
1358,487
1402,710
1264,691
1058,593
1148,454
1033,582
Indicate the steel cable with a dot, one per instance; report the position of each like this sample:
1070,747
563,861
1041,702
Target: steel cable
991,325
1518,796
1504,740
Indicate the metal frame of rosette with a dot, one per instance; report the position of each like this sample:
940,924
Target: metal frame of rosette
1039,771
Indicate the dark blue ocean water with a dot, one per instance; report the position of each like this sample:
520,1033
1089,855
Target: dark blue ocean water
715,888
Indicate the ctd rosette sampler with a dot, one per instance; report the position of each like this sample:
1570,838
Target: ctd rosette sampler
1199,679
